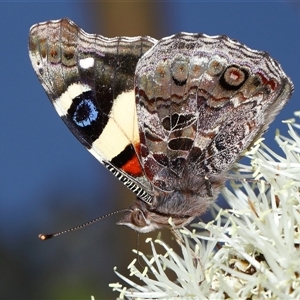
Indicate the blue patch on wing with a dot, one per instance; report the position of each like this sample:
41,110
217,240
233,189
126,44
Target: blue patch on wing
85,113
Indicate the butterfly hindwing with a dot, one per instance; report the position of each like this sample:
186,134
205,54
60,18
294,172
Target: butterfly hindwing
202,101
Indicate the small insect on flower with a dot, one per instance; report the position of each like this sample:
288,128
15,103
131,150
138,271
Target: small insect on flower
167,117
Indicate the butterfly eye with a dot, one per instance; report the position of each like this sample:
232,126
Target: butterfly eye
138,218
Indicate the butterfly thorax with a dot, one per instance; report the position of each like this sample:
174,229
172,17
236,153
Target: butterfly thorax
190,198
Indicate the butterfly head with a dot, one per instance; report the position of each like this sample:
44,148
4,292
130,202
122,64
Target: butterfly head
181,204
141,218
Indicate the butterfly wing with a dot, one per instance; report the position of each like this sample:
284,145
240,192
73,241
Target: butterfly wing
90,81
204,101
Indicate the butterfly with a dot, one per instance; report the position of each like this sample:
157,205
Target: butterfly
168,117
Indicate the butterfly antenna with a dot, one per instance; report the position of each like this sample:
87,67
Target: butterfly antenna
44,236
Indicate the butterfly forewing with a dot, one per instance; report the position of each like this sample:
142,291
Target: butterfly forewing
90,81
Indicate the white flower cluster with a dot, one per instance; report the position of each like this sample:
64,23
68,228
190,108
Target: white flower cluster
250,251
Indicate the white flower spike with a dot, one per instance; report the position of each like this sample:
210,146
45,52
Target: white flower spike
260,237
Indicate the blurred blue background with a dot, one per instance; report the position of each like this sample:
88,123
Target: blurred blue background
49,182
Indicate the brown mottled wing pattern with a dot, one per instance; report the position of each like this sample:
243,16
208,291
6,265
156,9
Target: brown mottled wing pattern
201,101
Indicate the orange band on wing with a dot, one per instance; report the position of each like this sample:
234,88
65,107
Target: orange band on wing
133,167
